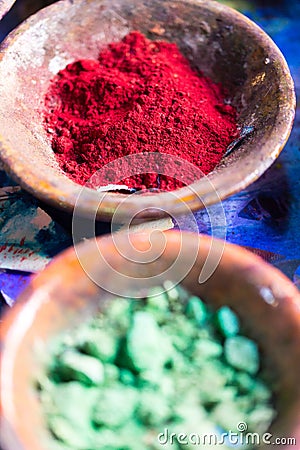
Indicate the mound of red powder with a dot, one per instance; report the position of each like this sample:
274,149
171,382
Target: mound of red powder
139,96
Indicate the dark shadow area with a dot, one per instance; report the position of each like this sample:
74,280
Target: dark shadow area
272,200
64,219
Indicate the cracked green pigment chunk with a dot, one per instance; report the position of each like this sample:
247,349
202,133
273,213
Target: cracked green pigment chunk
242,353
196,310
115,406
72,365
98,343
70,407
147,346
228,322
139,368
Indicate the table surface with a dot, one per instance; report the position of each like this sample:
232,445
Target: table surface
265,216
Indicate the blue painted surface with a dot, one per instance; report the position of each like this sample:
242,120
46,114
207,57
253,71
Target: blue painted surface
267,214
12,285
28,240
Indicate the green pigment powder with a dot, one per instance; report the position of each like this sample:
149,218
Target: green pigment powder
166,364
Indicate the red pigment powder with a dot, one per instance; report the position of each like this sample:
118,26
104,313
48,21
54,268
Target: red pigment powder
139,96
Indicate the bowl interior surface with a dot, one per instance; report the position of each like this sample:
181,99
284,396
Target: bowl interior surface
219,41
64,294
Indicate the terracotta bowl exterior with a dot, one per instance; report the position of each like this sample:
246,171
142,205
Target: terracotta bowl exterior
62,296
221,42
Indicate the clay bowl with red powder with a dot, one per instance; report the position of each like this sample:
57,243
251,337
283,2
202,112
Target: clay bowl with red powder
70,289
226,46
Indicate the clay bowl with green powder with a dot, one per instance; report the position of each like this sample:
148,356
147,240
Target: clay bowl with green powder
205,342
218,41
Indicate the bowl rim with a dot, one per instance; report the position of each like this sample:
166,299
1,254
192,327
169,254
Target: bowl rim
5,6
262,274
216,186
